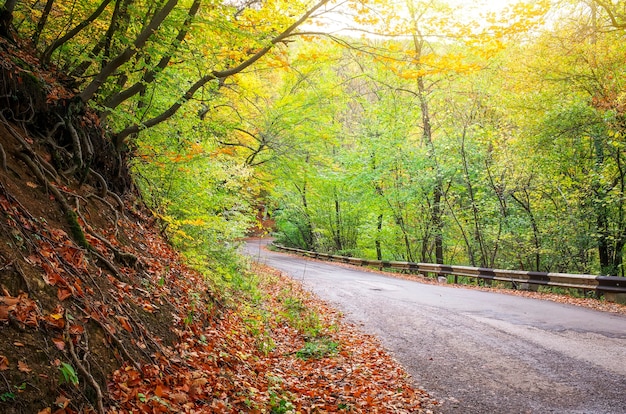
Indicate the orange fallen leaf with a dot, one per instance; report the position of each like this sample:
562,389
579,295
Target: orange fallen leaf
64,293
125,323
62,401
23,367
4,313
179,397
10,301
76,330
4,363
18,344
55,321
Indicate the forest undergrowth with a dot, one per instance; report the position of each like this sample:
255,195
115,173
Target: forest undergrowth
98,313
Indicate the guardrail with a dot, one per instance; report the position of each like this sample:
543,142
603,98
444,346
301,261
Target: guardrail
613,288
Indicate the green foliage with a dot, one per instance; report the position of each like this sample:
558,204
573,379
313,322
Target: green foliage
530,157
7,396
489,147
318,348
279,404
68,374
301,317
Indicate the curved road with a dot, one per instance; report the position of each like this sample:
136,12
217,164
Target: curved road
476,351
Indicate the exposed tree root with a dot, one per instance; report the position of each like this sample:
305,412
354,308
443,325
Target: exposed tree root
110,266
104,188
85,372
70,214
117,342
118,200
20,272
127,259
3,159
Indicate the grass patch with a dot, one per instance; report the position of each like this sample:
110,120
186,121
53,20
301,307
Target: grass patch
318,348
300,316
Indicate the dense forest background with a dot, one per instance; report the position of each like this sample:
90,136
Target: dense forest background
412,130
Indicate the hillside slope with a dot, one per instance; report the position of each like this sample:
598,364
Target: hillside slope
99,314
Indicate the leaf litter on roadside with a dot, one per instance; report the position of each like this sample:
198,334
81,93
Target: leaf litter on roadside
247,362
181,345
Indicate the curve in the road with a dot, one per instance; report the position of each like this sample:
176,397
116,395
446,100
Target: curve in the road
479,352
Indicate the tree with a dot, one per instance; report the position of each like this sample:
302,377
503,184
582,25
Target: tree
587,122
148,39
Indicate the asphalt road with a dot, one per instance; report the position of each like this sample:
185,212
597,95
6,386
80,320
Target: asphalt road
479,352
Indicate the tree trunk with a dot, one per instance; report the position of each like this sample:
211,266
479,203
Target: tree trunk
379,228
422,94
215,75
119,19
42,21
478,233
437,207
533,223
337,233
6,18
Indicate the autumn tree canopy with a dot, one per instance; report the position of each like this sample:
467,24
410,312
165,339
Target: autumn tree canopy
427,131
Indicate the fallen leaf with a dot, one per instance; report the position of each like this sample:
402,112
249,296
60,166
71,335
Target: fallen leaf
23,367
55,321
78,289
179,397
59,343
76,330
125,323
63,294
31,184
4,363
10,301
18,344
4,313
62,401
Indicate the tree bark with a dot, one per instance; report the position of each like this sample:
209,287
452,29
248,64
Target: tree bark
422,94
42,21
120,14
379,229
6,18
